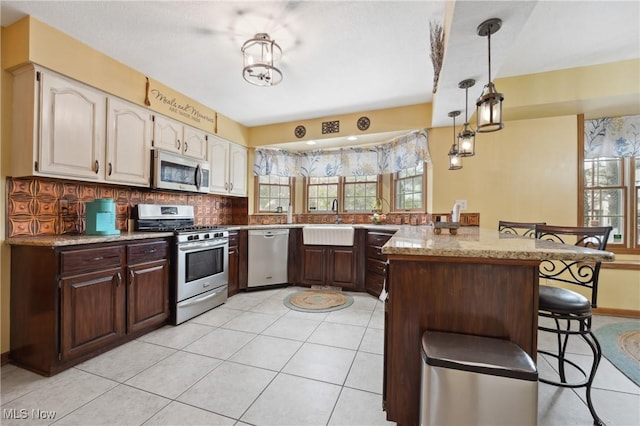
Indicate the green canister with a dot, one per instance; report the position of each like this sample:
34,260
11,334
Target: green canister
101,217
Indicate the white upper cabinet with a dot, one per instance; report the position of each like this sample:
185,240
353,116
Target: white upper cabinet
129,129
237,170
195,143
171,135
228,167
72,131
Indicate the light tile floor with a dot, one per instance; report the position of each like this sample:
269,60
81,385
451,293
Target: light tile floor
254,361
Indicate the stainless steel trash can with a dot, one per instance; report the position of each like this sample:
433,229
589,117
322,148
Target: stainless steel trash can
472,380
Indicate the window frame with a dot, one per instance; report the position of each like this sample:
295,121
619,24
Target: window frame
631,231
256,204
341,196
394,180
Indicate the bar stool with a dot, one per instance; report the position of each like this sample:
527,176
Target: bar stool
568,308
525,229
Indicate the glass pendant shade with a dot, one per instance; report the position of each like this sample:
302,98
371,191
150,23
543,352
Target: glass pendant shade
489,110
466,142
489,104
259,57
455,161
466,137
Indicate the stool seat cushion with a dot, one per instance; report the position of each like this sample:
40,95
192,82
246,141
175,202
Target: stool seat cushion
563,301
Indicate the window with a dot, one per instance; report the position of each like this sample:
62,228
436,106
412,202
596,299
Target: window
608,184
360,193
408,188
321,191
354,193
273,192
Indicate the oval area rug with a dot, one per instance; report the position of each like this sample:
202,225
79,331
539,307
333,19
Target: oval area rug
620,344
318,301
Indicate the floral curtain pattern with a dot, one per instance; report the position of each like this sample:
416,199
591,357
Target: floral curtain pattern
275,162
398,154
612,137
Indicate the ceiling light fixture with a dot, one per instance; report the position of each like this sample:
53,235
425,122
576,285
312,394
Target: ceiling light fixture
455,161
311,142
352,138
467,137
259,55
489,104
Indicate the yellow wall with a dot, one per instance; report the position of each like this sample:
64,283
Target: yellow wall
409,117
5,154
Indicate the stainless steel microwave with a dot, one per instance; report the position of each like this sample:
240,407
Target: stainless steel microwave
177,172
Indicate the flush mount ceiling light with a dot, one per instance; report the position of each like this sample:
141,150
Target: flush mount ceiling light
489,104
259,55
455,161
467,137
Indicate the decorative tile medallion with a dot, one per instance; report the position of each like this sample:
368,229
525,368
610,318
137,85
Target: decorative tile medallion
300,131
363,123
330,127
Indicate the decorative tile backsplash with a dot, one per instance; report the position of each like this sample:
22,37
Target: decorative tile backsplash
40,206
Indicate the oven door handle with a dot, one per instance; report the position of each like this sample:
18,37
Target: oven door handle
197,246
201,299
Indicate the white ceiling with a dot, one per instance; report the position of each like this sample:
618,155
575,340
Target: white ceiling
340,56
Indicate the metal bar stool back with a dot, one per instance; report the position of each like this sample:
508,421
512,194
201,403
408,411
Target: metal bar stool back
569,310
525,229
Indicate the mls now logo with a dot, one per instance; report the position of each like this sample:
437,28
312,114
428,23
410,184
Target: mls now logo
15,414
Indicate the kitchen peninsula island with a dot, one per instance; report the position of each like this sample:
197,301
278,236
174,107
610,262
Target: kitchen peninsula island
477,282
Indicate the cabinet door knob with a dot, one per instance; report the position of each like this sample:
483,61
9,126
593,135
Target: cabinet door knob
178,144
119,279
97,166
132,275
231,186
186,146
110,168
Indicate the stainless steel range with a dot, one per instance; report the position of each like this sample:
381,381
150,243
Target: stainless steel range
200,258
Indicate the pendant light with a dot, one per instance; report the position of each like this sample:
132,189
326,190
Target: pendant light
259,56
455,161
489,104
467,137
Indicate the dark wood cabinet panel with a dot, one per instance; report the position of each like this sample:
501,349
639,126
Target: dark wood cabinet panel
483,297
83,300
92,313
148,295
341,267
233,265
243,259
313,265
90,259
376,261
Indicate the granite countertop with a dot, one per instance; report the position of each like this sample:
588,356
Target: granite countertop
72,240
476,242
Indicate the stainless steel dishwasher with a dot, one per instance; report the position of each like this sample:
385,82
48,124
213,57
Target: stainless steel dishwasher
268,253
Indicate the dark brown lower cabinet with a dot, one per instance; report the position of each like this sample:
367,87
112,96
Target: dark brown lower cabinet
69,304
329,265
92,314
233,263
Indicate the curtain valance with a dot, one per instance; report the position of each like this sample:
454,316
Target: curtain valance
612,137
398,154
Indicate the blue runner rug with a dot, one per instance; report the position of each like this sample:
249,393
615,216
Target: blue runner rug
620,344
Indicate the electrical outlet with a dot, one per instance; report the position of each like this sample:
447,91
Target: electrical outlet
462,203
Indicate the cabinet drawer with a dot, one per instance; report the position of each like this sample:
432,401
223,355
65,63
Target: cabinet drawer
146,252
376,266
374,283
233,239
378,238
90,260
375,252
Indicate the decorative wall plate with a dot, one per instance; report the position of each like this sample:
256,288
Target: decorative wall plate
300,132
364,123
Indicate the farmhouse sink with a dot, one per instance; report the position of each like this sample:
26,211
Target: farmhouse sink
328,235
